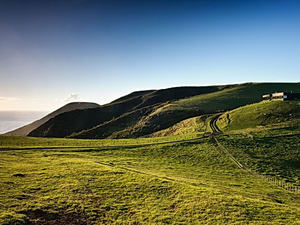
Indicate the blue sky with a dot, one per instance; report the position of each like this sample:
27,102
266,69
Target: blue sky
53,52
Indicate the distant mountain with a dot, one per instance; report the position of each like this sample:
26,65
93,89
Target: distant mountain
25,130
143,113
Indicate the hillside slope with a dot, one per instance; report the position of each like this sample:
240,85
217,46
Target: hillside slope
67,124
74,121
226,98
25,130
231,98
155,118
145,112
265,115
261,114
194,125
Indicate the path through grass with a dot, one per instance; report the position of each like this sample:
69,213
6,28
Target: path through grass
182,183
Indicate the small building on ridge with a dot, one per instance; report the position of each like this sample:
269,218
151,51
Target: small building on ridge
281,96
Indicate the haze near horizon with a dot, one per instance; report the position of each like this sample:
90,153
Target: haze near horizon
54,52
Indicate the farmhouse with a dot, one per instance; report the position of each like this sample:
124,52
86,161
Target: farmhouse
281,96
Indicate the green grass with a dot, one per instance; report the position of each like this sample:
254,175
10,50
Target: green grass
179,176
265,138
192,126
264,114
175,183
172,114
234,97
275,156
179,179
10,142
160,117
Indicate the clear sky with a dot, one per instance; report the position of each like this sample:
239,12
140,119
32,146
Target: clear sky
56,51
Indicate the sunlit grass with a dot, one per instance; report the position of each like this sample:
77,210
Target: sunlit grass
274,114
274,156
31,142
176,183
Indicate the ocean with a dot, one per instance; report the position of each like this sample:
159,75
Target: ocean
11,120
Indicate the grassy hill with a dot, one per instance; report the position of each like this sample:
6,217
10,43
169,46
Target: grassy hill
234,97
67,123
263,137
261,114
78,121
195,125
183,174
209,103
165,115
146,113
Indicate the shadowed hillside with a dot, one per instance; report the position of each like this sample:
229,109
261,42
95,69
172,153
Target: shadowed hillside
25,130
145,112
166,115
66,124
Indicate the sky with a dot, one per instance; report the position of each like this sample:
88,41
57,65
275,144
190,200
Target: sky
57,51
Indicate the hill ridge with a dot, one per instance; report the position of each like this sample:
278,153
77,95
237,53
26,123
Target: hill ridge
142,113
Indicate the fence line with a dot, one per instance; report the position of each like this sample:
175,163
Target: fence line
276,182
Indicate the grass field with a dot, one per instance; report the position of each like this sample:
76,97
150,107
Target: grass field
175,183
182,176
276,156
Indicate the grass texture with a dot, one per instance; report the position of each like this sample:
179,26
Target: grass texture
173,183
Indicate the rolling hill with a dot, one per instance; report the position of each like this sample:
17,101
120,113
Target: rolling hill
185,173
144,113
166,115
68,124
263,114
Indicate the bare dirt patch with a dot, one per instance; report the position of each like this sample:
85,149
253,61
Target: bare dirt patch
41,217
